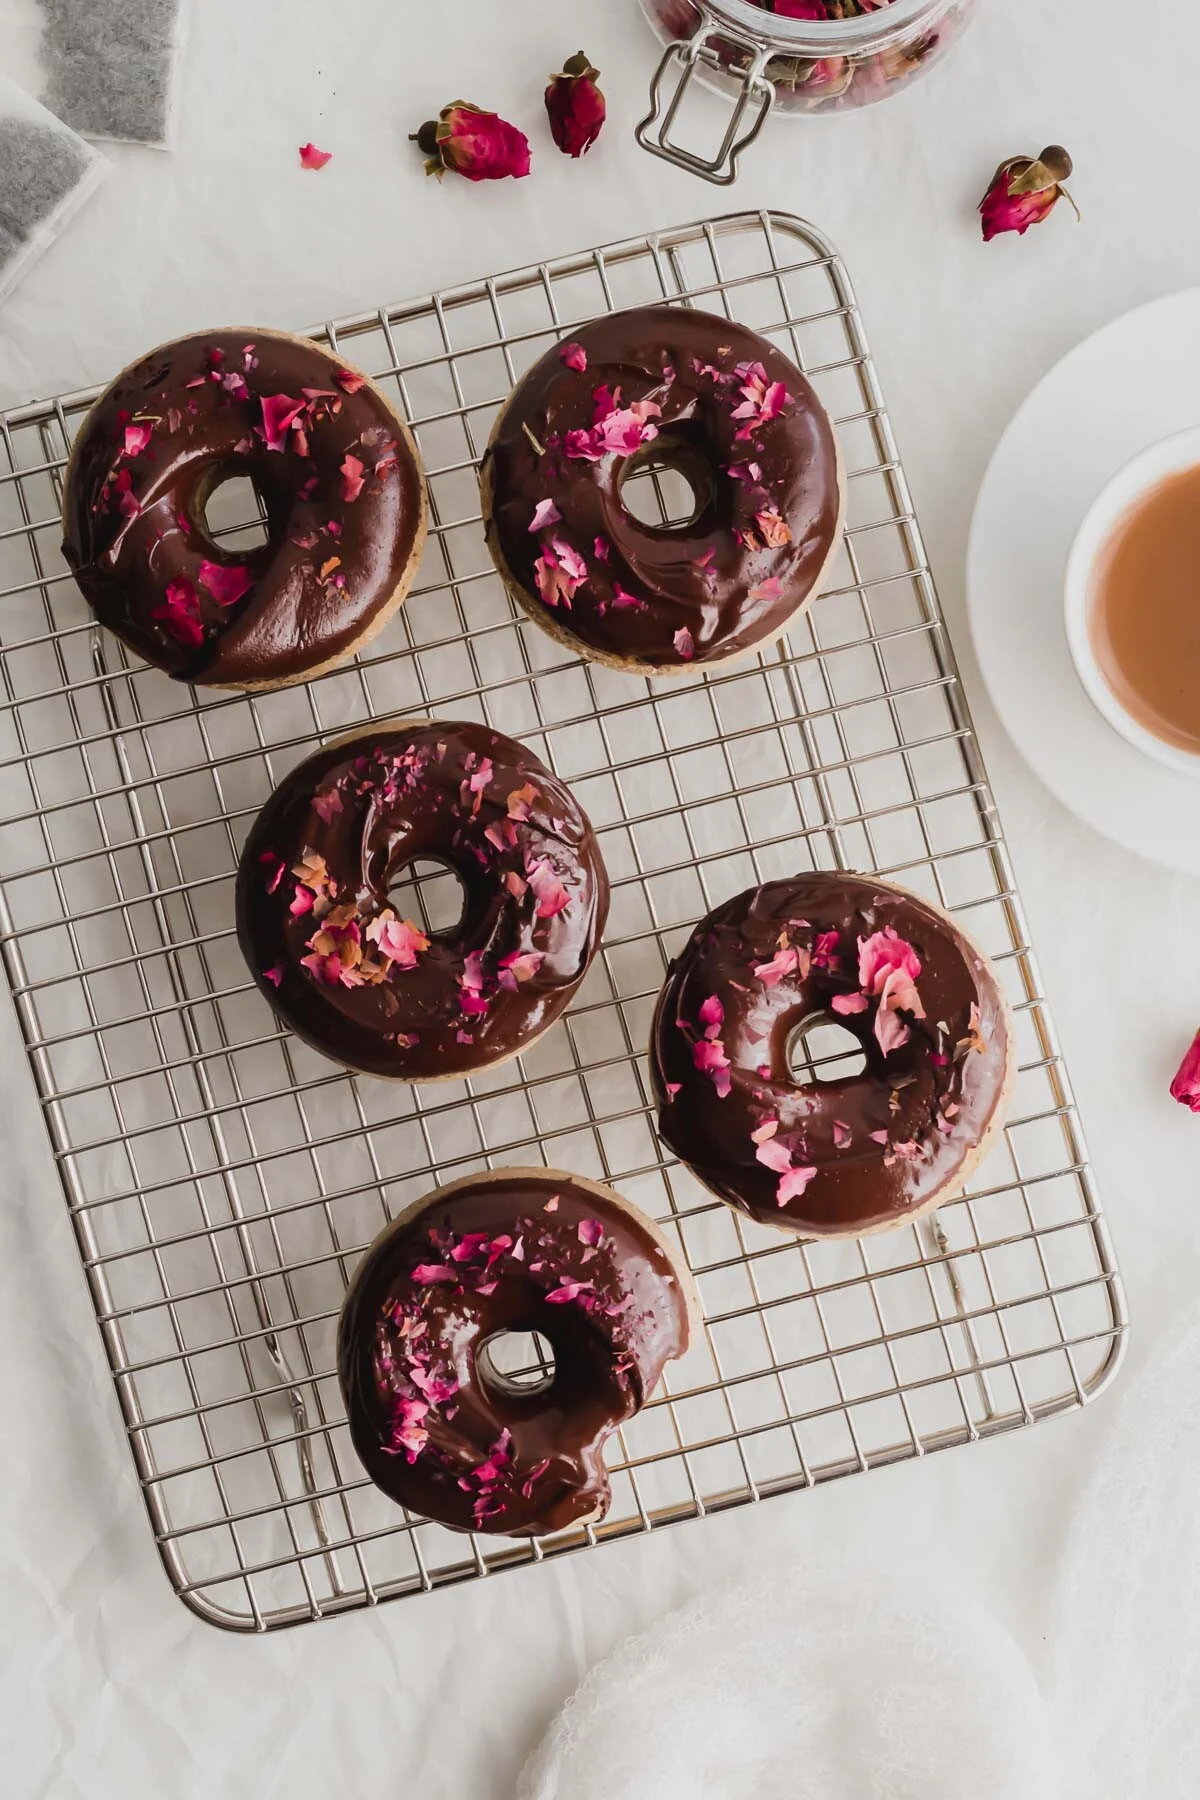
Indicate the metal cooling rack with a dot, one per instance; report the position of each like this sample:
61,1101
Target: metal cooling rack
223,1181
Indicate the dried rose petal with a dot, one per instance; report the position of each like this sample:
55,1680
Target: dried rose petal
849,1003
1186,1086
552,897
180,613
352,478
575,357
275,975
468,141
226,585
793,1184
349,380
280,412
1024,191
137,437
683,643
312,158
398,940
575,106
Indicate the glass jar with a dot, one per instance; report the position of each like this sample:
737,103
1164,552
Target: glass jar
767,62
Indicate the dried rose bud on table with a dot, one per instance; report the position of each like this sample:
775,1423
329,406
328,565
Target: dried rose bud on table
471,142
575,106
1024,191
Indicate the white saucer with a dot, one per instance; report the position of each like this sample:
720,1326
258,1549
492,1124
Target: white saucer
1133,383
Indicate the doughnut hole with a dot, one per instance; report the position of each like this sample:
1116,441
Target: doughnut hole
430,893
821,1049
234,515
516,1365
667,484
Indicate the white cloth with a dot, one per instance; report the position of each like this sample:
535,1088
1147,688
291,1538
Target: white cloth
107,1687
842,1685
1126,1629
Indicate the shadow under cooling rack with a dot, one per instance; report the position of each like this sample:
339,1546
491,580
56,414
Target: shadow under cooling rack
223,1181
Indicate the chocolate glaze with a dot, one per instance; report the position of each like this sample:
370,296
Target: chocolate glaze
368,807
860,1184
651,354
134,523
496,1460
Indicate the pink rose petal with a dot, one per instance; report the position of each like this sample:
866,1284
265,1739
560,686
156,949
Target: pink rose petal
575,357
312,158
683,643
793,1184
849,1003
226,585
352,478
545,515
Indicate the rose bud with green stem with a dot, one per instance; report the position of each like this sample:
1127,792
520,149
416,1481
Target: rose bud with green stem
1024,191
468,141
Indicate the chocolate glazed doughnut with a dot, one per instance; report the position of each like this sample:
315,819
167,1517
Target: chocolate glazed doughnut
338,476
518,1251
375,991
843,1157
732,414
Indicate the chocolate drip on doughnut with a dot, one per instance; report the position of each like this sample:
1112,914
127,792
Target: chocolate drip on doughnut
693,391
843,1156
374,990
336,472
521,1251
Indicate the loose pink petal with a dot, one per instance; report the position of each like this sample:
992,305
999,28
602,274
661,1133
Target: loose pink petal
683,643
552,896
352,478
275,975
784,962
842,1136
312,158
882,953
180,613
849,1003
327,806
775,1156
770,589
349,380
590,1232
673,1088
569,1291
765,1131
280,412
712,1016
575,357
137,437
545,515
226,585
890,1030
793,1184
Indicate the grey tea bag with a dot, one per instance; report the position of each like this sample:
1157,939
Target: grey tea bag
46,173
107,68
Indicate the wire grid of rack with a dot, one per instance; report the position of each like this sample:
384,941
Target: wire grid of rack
223,1181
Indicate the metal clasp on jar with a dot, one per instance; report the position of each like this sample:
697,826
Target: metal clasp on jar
755,97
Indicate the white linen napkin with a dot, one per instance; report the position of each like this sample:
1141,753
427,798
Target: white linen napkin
831,1686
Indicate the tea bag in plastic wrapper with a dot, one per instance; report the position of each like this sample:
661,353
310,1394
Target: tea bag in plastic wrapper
46,174
107,68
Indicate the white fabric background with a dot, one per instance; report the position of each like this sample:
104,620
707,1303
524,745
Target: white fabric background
108,1686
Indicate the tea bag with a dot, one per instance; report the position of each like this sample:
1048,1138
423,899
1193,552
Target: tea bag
107,68
46,174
